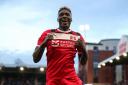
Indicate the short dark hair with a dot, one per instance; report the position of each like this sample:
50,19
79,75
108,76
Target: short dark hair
64,7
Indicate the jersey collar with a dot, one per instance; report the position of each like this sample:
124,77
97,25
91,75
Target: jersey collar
63,31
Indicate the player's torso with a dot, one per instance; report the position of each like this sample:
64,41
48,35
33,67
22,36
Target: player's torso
61,51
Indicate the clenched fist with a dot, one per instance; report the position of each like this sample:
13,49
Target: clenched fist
80,44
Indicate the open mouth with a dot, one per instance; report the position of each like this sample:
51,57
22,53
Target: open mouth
65,21
64,24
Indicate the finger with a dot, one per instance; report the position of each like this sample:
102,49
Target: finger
53,34
50,36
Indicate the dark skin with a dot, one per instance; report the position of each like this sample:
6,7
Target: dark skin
64,19
80,45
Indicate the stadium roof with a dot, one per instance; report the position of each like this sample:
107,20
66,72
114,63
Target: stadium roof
121,57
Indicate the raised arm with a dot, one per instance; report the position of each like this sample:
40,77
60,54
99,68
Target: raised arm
39,50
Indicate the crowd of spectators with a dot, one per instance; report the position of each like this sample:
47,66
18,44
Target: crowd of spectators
20,81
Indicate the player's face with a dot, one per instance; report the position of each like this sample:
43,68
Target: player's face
64,19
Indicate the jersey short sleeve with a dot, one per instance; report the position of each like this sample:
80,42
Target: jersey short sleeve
82,39
42,37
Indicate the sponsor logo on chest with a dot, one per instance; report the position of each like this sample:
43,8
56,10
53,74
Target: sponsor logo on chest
64,40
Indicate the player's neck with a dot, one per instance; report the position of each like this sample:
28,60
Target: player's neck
64,29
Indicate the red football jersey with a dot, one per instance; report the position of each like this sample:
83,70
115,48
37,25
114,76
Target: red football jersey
60,53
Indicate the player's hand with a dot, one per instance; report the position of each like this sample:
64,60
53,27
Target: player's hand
49,36
79,43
